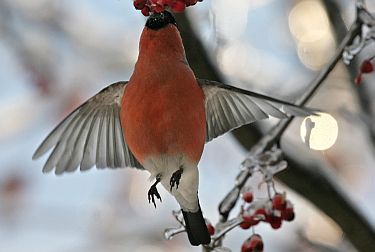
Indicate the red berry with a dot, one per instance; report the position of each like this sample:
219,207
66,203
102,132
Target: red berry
261,215
268,218
278,202
146,11
254,221
249,220
167,2
211,229
139,4
367,67
178,6
248,197
245,225
275,222
288,214
256,243
158,8
261,212
246,247
253,244
191,2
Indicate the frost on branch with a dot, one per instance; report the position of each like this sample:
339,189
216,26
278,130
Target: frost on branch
273,209
169,233
366,37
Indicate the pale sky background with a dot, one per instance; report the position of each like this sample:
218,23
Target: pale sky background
271,46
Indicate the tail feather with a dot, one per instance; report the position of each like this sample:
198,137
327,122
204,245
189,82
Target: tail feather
196,228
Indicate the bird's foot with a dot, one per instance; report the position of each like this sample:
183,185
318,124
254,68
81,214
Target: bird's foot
154,192
175,179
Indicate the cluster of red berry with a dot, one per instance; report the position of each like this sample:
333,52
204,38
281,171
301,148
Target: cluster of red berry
253,244
366,67
149,6
274,212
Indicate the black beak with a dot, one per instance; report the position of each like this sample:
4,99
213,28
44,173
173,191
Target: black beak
159,20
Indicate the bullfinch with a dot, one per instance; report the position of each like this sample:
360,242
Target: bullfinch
158,121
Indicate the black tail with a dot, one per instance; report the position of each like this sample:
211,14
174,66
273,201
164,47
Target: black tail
196,228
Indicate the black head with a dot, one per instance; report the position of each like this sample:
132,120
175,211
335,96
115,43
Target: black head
159,20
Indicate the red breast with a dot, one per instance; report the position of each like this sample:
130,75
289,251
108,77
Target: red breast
163,106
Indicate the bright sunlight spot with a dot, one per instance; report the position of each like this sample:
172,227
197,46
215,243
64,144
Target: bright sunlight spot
319,132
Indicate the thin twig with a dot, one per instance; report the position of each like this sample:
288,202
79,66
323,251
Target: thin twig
273,137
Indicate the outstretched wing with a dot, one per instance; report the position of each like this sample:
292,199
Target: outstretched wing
228,107
90,135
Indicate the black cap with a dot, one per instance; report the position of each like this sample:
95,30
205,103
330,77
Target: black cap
159,20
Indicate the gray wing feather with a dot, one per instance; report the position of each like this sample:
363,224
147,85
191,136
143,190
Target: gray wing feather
111,142
90,135
79,143
229,107
89,149
101,144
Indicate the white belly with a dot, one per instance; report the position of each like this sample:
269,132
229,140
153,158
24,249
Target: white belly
164,166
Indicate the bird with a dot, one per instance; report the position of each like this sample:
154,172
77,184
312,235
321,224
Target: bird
158,121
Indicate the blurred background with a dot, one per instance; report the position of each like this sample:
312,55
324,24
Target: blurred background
54,54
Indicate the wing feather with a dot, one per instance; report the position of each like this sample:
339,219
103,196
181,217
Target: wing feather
52,139
90,135
89,153
78,147
229,107
110,140
119,141
68,147
101,149
58,151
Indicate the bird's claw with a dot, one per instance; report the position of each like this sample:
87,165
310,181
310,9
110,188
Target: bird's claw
175,179
152,193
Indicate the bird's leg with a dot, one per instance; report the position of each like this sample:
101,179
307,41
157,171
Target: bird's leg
154,191
175,179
